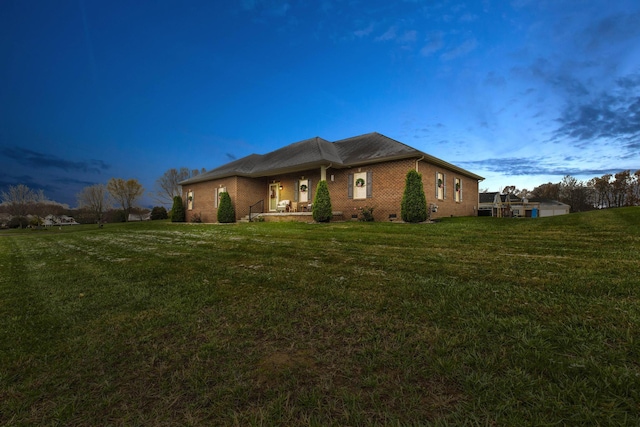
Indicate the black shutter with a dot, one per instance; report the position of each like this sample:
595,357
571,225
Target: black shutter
310,192
296,189
350,186
369,184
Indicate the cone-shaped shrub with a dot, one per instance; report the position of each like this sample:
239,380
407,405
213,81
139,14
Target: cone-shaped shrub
414,202
226,211
322,211
177,210
159,212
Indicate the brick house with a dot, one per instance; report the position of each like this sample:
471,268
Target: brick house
362,171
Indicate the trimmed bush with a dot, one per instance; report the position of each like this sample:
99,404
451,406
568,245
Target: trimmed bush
414,203
322,211
177,210
159,212
226,211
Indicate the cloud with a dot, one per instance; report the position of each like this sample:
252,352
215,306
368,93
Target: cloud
532,166
463,49
390,34
364,31
613,115
611,30
493,79
435,42
72,181
38,160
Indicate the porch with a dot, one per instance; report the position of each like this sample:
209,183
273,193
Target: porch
286,217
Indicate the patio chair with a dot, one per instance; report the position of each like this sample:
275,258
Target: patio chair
283,205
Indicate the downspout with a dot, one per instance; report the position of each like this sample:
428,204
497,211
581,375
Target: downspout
323,172
418,161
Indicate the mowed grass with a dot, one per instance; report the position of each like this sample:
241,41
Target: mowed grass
469,321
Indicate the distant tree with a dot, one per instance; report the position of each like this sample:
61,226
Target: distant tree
635,189
94,199
510,189
576,194
159,212
18,199
547,191
602,193
622,188
322,210
226,211
177,210
167,186
413,207
125,192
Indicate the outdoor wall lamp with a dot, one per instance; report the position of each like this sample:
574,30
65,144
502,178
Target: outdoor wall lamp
281,186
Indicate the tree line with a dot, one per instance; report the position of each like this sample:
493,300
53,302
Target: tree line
110,202
607,191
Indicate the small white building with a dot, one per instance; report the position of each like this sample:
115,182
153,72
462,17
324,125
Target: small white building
548,207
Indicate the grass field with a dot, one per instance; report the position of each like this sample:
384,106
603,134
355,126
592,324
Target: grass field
469,321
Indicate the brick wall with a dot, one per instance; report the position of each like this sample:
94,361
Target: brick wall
388,181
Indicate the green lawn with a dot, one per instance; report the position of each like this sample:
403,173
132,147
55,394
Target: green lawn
469,321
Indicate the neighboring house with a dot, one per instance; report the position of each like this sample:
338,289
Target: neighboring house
363,171
52,220
548,207
500,205
509,205
5,218
139,217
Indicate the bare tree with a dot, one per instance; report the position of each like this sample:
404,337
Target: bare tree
95,199
18,199
125,193
167,186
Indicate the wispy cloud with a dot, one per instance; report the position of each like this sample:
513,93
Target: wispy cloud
463,49
390,34
533,166
435,42
363,32
613,115
39,160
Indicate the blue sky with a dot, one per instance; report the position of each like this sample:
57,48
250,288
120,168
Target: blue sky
521,92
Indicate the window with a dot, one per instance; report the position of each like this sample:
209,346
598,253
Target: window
190,200
441,186
218,194
360,185
457,189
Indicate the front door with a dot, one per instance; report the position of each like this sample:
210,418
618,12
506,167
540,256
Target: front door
274,196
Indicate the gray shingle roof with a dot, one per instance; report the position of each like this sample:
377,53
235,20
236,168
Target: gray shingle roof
314,152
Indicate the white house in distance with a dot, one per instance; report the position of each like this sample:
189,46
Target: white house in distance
509,205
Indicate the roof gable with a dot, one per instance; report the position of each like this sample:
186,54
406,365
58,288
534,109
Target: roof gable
371,147
314,152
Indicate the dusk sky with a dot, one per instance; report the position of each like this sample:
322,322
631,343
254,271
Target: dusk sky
520,92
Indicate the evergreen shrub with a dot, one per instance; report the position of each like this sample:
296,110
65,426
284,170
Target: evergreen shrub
226,211
159,212
322,211
177,210
413,207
